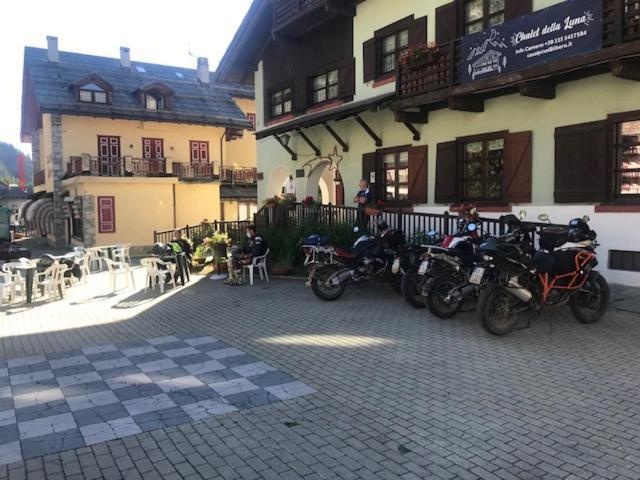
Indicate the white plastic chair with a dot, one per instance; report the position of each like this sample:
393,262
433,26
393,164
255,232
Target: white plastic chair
119,269
51,281
97,256
85,266
7,284
156,273
259,263
126,252
16,276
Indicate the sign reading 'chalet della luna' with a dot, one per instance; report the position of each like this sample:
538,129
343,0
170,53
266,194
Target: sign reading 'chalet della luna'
570,28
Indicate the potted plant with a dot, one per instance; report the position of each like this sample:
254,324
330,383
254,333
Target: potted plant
374,208
271,202
288,200
218,242
284,263
420,54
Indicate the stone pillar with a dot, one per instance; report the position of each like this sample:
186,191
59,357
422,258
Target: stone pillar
89,220
58,173
35,151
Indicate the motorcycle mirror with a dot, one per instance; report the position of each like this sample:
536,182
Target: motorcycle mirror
472,227
586,219
356,229
523,214
543,217
473,211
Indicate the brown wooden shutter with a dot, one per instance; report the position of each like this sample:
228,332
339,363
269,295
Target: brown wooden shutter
300,100
106,215
447,23
418,174
582,171
418,31
517,8
516,175
347,80
446,173
369,167
369,59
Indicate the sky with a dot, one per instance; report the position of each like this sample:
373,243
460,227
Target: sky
167,32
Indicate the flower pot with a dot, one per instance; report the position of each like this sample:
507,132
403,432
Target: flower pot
219,250
372,211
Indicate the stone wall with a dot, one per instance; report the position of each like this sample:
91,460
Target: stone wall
58,173
35,151
89,220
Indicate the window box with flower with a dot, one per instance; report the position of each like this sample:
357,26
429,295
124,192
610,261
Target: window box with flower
374,208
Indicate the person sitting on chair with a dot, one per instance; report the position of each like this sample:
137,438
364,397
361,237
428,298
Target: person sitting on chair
256,247
185,246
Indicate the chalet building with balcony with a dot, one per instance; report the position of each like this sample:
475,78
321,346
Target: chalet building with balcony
121,148
507,104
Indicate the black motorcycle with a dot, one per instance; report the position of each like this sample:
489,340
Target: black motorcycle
370,257
410,261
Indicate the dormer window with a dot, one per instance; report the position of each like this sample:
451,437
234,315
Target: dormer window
154,101
93,89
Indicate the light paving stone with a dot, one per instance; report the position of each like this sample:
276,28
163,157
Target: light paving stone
10,453
46,426
157,365
181,352
39,397
133,379
102,432
79,379
290,390
224,353
91,400
99,349
204,367
68,362
251,369
180,383
231,387
200,341
148,404
31,377
207,408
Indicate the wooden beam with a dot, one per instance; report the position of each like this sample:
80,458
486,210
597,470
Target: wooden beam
293,154
338,8
414,130
627,69
368,129
420,117
467,103
544,89
315,149
337,138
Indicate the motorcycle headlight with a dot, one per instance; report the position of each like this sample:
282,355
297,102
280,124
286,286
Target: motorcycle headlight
487,258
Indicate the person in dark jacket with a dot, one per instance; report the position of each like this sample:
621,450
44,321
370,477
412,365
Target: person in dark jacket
256,247
362,198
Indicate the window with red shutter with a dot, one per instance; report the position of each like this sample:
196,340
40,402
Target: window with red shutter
199,151
106,215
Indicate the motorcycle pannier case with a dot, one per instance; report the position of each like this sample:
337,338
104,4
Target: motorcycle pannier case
552,238
393,237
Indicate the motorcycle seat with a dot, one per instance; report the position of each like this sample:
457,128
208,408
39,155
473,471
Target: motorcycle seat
344,253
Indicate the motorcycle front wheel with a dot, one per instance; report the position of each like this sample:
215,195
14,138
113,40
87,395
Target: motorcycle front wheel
437,301
411,288
497,310
590,303
395,280
324,291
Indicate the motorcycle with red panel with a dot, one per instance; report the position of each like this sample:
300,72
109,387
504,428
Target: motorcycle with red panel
370,257
560,272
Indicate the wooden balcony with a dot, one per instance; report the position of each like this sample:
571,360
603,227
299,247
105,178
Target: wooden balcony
39,178
116,167
194,171
239,175
438,79
295,17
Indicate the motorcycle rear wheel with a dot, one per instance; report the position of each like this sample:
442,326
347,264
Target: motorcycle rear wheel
591,302
411,288
435,301
321,289
496,310
395,280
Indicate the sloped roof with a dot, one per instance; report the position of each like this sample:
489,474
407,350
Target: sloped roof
193,102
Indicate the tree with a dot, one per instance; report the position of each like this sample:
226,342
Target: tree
9,164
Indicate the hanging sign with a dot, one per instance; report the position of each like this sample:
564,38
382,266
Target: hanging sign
570,28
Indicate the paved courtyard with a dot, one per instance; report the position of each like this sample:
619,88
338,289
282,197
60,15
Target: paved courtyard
365,387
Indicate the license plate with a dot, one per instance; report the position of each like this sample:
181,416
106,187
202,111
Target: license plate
476,276
395,268
424,266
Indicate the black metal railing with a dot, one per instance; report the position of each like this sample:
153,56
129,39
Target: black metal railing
235,230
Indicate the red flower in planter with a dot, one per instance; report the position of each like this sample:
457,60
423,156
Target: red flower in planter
419,52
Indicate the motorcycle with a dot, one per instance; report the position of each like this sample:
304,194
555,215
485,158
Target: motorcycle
446,294
409,261
370,257
560,272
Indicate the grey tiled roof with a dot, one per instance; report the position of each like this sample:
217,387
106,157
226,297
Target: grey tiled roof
193,102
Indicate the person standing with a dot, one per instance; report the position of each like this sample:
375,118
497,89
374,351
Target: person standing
289,188
362,198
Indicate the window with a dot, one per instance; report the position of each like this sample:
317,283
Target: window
154,101
77,229
199,151
395,170
392,49
627,158
482,166
246,211
325,87
106,215
281,102
92,93
481,14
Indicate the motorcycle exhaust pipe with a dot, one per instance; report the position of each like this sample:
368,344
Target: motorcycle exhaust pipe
518,291
341,276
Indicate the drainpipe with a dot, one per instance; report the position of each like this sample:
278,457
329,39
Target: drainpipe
224,135
174,206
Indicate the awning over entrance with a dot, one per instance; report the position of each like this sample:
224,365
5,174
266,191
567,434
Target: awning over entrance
39,216
234,192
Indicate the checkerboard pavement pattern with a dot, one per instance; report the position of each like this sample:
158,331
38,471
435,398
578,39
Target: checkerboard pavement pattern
60,401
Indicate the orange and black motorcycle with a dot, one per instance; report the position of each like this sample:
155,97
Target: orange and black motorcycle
561,271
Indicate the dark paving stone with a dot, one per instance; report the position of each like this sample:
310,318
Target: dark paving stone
6,404
73,370
137,391
100,357
84,389
192,395
36,367
60,355
34,386
55,442
5,381
192,359
238,360
208,347
169,373
9,433
120,371
172,346
147,357
161,419
91,416
40,411
217,376
269,379
252,399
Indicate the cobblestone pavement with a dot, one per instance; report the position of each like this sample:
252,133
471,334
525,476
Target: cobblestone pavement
399,394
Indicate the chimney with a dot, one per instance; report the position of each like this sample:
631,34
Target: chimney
203,70
52,49
125,57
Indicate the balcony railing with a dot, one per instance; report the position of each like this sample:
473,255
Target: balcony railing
621,23
239,175
39,178
116,166
195,171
